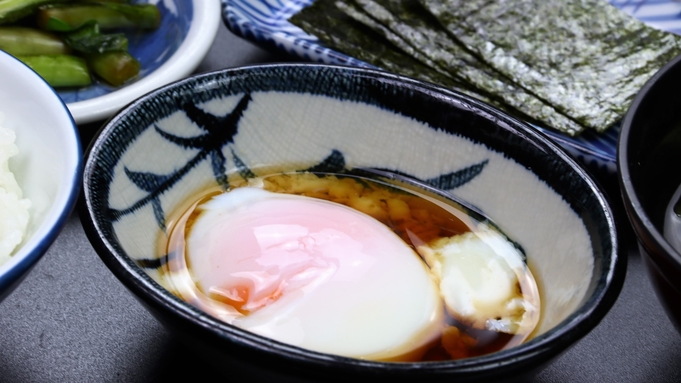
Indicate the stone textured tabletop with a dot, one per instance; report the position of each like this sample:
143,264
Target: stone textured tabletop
71,320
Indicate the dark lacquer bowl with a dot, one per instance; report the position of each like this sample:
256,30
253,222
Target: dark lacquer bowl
215,128
649,162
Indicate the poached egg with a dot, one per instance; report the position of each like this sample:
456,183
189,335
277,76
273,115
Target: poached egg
311,273
336,273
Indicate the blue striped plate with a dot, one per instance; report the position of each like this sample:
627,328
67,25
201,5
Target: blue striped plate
265,22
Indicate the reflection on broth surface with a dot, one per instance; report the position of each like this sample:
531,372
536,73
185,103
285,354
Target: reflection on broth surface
352,266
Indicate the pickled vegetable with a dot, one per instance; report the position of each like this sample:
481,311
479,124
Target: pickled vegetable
12,10
107,15
88,39
22,41
115,67
67,40
60,70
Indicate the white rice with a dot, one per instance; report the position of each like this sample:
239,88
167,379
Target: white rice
13,208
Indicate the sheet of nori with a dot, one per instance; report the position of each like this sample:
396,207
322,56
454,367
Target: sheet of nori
408,24
396,44
585,57
338,31
356,19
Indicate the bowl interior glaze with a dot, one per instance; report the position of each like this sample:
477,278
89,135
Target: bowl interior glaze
215,128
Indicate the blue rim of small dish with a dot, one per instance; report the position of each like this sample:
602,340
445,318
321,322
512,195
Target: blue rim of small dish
18,271
265,22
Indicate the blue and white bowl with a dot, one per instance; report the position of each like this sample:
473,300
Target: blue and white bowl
47,168
212,129
167,54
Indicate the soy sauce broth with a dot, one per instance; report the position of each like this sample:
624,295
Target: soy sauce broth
416,217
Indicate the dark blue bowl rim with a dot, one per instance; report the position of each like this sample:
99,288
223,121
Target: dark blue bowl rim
539,350
640,220
21,268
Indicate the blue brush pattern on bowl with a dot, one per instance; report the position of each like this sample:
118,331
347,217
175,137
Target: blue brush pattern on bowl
266,22
151,48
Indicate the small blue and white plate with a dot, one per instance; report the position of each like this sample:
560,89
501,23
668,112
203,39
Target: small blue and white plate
265,22
169,53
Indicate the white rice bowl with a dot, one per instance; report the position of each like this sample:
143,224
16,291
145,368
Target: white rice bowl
14,214
46,166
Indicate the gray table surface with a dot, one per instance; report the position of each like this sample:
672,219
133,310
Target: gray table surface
71,320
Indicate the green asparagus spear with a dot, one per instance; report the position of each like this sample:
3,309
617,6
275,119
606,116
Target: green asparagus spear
107,15
12,10
106,1
114,67
60,70
23,41
88,39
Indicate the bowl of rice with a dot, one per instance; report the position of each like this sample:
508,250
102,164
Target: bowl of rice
40,167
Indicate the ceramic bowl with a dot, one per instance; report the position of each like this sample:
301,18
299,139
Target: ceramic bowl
47,167
216,128
648,158
167,54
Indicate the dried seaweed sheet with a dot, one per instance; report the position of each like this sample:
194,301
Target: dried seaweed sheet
585,57
408,26
357,20
338,31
